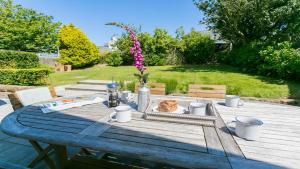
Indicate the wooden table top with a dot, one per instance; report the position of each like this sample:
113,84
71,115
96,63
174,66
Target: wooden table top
88,126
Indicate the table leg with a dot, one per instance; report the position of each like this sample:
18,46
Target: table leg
60,152
42,155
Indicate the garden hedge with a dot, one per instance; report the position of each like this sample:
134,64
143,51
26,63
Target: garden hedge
18,60
35,76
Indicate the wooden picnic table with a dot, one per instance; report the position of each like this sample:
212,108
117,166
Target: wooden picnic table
183,145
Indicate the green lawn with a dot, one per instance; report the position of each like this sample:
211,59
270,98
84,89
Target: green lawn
236,82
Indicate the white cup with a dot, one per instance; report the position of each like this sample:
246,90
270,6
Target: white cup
233,101
122,114
126,96
248,127
197,108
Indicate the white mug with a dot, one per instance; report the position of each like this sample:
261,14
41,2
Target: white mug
126,96
122,114
233,101
197,108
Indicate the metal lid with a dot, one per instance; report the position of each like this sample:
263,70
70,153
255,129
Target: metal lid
112,85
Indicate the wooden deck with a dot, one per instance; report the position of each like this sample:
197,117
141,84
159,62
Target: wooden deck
278,147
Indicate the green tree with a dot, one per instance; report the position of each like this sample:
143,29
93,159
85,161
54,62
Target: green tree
243,21
25,29
199,48
158,49
75,48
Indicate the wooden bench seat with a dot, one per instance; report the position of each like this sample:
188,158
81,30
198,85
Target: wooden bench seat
155,88
207,91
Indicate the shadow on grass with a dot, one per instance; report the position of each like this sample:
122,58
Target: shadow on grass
294,87
203,68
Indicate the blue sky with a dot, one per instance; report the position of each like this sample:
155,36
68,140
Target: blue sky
91,15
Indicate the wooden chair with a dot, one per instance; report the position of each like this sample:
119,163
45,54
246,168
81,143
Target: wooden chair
59,67
68,68
155,88
207,91
31,96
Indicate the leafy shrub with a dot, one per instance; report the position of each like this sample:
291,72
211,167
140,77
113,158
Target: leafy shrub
130,86
113,59
199,48
235,90
154,60
76,49
34,76
122,85
14,60
171,84
281,60
183,87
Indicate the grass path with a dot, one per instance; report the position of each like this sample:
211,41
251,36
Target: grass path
236,82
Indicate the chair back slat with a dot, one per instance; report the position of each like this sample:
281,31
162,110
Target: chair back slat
207,91
155,88
31,96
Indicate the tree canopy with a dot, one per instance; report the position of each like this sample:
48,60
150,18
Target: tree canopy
243,21
25,29
75,48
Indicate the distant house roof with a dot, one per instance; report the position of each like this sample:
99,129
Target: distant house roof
104,49
216,37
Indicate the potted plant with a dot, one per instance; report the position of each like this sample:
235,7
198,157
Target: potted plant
136,52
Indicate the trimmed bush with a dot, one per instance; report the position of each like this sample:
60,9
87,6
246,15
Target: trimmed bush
35,76
76,49
18,60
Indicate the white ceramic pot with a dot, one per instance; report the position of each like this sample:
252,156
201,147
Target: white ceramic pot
233,101
197,108
248,127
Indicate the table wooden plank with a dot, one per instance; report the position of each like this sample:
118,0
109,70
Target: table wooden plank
238,163
273,145
201,147
97,128
70,118
272,152
52,123
194,139
176,157
50,127
230,146
66,120
163,126
214,145
272,160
